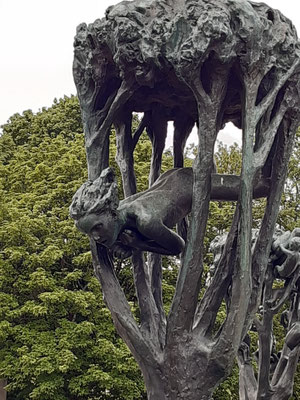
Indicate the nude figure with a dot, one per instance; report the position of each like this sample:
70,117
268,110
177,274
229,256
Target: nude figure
142,221
145,220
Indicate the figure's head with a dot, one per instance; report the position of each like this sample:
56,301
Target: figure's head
94,208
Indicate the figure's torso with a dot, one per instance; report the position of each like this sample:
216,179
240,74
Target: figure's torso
169,199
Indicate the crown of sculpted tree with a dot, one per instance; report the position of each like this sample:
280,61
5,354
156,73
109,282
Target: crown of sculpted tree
204,63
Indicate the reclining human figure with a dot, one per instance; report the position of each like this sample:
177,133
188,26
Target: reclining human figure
145,220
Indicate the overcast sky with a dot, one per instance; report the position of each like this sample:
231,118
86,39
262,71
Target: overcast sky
36,48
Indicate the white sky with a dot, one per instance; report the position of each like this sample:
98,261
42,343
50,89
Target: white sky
36,49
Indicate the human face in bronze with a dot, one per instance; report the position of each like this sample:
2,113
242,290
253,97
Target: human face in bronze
103,228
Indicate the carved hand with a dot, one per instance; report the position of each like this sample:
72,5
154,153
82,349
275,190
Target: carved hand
121,251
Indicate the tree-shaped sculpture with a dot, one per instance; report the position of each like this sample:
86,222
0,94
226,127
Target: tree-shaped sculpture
192,62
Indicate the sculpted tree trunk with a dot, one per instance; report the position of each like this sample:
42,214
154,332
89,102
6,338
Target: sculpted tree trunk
195,64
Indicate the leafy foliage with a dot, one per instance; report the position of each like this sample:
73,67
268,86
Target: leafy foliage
58,341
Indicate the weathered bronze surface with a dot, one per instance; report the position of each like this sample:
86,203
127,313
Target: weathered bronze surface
196,63
144,221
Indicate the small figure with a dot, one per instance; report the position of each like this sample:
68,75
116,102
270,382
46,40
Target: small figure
292,260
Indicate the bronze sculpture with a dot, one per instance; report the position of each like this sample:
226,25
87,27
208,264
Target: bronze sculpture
144,221
202,63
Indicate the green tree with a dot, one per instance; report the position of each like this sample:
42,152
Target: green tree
57,338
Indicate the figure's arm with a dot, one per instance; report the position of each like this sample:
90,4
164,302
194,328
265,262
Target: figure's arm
166,242
289,266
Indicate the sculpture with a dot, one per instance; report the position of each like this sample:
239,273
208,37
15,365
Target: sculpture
144,221
199,63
